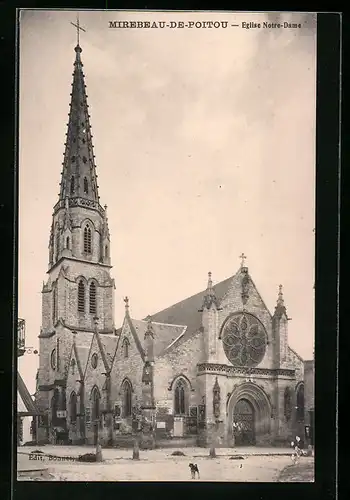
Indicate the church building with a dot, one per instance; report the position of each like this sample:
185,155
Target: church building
216,365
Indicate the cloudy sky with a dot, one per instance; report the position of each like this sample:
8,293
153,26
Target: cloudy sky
205,148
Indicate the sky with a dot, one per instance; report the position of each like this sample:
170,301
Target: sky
205,148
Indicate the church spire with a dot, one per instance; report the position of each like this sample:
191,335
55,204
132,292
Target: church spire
79,179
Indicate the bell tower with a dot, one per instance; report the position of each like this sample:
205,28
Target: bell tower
79,286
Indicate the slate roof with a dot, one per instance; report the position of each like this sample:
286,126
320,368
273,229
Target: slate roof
26,397
164,334
186,313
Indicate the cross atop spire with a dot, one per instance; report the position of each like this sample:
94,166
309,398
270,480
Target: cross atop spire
242,257
79,28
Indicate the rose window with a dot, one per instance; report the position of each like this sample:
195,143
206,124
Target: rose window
244,340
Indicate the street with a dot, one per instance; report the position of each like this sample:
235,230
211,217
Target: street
262,465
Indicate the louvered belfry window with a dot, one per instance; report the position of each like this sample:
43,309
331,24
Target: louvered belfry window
87,239
81,297
92,297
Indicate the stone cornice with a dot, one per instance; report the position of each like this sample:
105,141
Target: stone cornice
73,259
237,370
80,202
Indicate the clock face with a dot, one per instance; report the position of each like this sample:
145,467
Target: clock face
244,340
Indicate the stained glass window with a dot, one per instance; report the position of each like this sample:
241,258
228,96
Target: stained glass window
127,398
244,340
179,403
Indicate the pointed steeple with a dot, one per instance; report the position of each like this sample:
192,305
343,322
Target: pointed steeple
209,297
79,179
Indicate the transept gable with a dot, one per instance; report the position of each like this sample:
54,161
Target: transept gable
94,350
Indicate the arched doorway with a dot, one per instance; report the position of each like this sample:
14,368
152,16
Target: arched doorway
249,415
243,423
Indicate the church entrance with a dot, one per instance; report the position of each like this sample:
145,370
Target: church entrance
243,424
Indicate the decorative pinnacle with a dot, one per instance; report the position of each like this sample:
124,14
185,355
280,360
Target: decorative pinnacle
126,300
149,332
209,296
210,283
280,300
243,257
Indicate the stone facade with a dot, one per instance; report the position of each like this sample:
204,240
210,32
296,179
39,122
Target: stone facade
214,368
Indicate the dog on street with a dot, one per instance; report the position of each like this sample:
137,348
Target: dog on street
194,469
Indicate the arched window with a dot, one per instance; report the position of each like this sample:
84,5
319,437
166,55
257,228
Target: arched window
67,242
86,186
300,403
92,298
73,408
95,396
127,398
72,186
180,398
106,251
125,347
87,239
81,296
